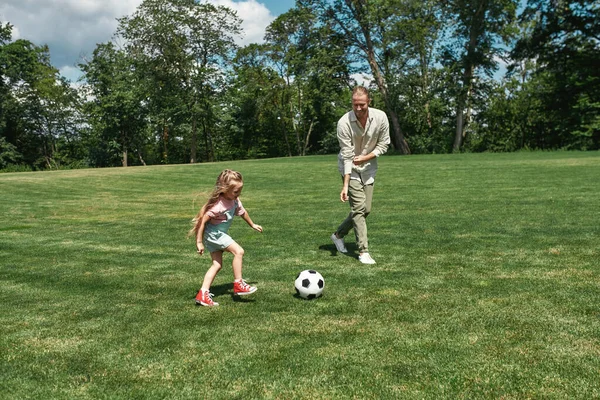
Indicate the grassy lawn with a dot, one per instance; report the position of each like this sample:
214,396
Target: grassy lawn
487,283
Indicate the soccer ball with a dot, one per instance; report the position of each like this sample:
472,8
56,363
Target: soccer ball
309,284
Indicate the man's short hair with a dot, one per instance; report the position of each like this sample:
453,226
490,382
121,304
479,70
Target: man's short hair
361,90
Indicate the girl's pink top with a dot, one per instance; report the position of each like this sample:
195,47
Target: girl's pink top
218,212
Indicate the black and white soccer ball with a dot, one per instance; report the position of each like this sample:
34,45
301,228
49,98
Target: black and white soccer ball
309,284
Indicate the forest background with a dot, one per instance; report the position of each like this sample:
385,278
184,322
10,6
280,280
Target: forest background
173,87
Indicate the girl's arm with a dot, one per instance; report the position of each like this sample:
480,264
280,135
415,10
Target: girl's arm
248,220
200,234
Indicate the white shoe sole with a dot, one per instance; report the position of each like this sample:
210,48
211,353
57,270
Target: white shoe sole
201,303
245,293
369,262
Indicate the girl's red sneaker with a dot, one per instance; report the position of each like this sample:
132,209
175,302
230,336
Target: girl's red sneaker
241,288
204,298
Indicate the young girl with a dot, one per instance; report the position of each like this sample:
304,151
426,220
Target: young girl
210,228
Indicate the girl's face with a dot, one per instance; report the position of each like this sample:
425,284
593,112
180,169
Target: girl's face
234,191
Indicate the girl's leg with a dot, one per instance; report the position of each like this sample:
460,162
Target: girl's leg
238,255
240,287
217,263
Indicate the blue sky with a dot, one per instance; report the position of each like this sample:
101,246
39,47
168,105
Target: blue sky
72,28
278,7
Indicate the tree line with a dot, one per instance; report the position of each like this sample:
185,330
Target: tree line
172,86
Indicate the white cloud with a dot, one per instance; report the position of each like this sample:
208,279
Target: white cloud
15,34
362,79
255,16
73,28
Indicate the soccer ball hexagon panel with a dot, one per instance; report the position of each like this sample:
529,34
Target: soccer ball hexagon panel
309,284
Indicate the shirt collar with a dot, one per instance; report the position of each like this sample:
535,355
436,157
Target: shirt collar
353,118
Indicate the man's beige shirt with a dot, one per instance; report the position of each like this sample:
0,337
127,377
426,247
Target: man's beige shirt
355,140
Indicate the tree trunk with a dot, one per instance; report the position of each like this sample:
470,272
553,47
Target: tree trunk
287,142
208,144
165,137
461,105
310,128
463,100
297,126
425,89
194,144
396,135
141,158
458,135
124,156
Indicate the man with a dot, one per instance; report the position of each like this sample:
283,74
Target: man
364,135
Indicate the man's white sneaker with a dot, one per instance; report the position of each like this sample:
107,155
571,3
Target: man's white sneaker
366,258
339,243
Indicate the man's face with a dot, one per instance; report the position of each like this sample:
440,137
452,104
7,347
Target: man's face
360,105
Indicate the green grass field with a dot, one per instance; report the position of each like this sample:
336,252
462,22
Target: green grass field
487,283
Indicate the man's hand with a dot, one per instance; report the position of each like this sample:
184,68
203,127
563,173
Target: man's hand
344,194
359,160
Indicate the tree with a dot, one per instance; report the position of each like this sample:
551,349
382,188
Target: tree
117,110
411,30
312,61
40,112
181,48
258,96
8,151
561,48
358,21
481,27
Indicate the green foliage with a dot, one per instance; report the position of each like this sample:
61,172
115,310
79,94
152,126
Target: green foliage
486,283
561,45
180,90
117,111
8,153
482,28
179,49
286,95
314,76
38,109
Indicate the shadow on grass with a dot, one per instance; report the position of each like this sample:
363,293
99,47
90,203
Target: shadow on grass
298,297
351,247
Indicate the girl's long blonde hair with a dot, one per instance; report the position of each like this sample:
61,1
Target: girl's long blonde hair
225,181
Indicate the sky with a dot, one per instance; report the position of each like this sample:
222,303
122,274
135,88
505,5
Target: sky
72,28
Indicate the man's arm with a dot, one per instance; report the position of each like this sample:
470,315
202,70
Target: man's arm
344,135
344,192
383,141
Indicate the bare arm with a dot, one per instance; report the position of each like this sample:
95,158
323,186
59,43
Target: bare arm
246,217
200,234
344,193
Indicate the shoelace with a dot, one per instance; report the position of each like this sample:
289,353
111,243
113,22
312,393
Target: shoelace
209,298
243,284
